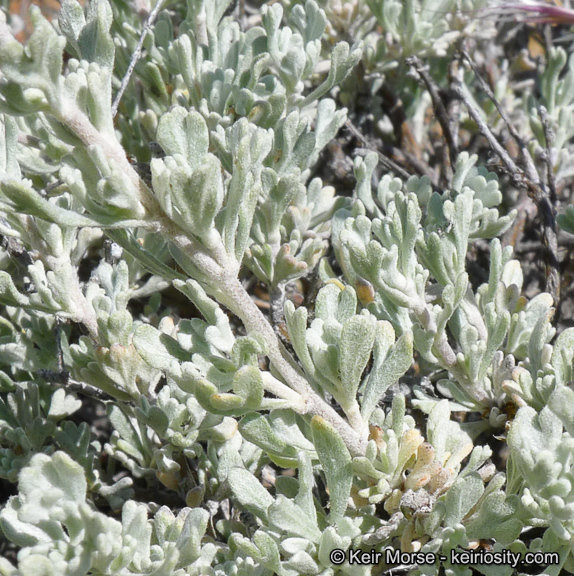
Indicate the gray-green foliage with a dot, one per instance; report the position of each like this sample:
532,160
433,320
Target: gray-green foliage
223,430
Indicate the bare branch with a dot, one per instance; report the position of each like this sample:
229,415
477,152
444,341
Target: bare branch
385,160
529,180
438,105
549,137
136,55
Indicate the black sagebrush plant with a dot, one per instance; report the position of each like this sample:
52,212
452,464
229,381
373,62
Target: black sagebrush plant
216,359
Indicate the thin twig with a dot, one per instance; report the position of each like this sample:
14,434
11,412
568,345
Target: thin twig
528,161
62,380
88,390
545,201
438,105
16,250
136,55
455,74
61,376
277,297
536,191
60,350
385,160
549,143
528,247
411,161
513,169
511,129
242,14
549,137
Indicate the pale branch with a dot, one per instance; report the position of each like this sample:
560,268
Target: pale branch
276,387
222,275
241,304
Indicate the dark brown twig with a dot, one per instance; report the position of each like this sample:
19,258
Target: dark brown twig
277,303
385,160
511,129
512,168
16,250
438,105
529,180
411,161
455,74
527,159
74,386
549,137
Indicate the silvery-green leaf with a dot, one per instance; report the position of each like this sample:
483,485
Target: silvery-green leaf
270,556
136,526
461,497
185,133
287,424
71,21
303,563
343,60
326,304
363,173
329,120
286,516
153,416
62,404
95,41
388,366
296,320
157,349
246,546
497,516
192,532
49,482
355,345
304,498
9,167
224,403
248,384
256,429
249,492
309,20
364,467
563,358
336,462
436,430
40,64
126,426
329,541
201,198
21,533
9,294
561,402
30,202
